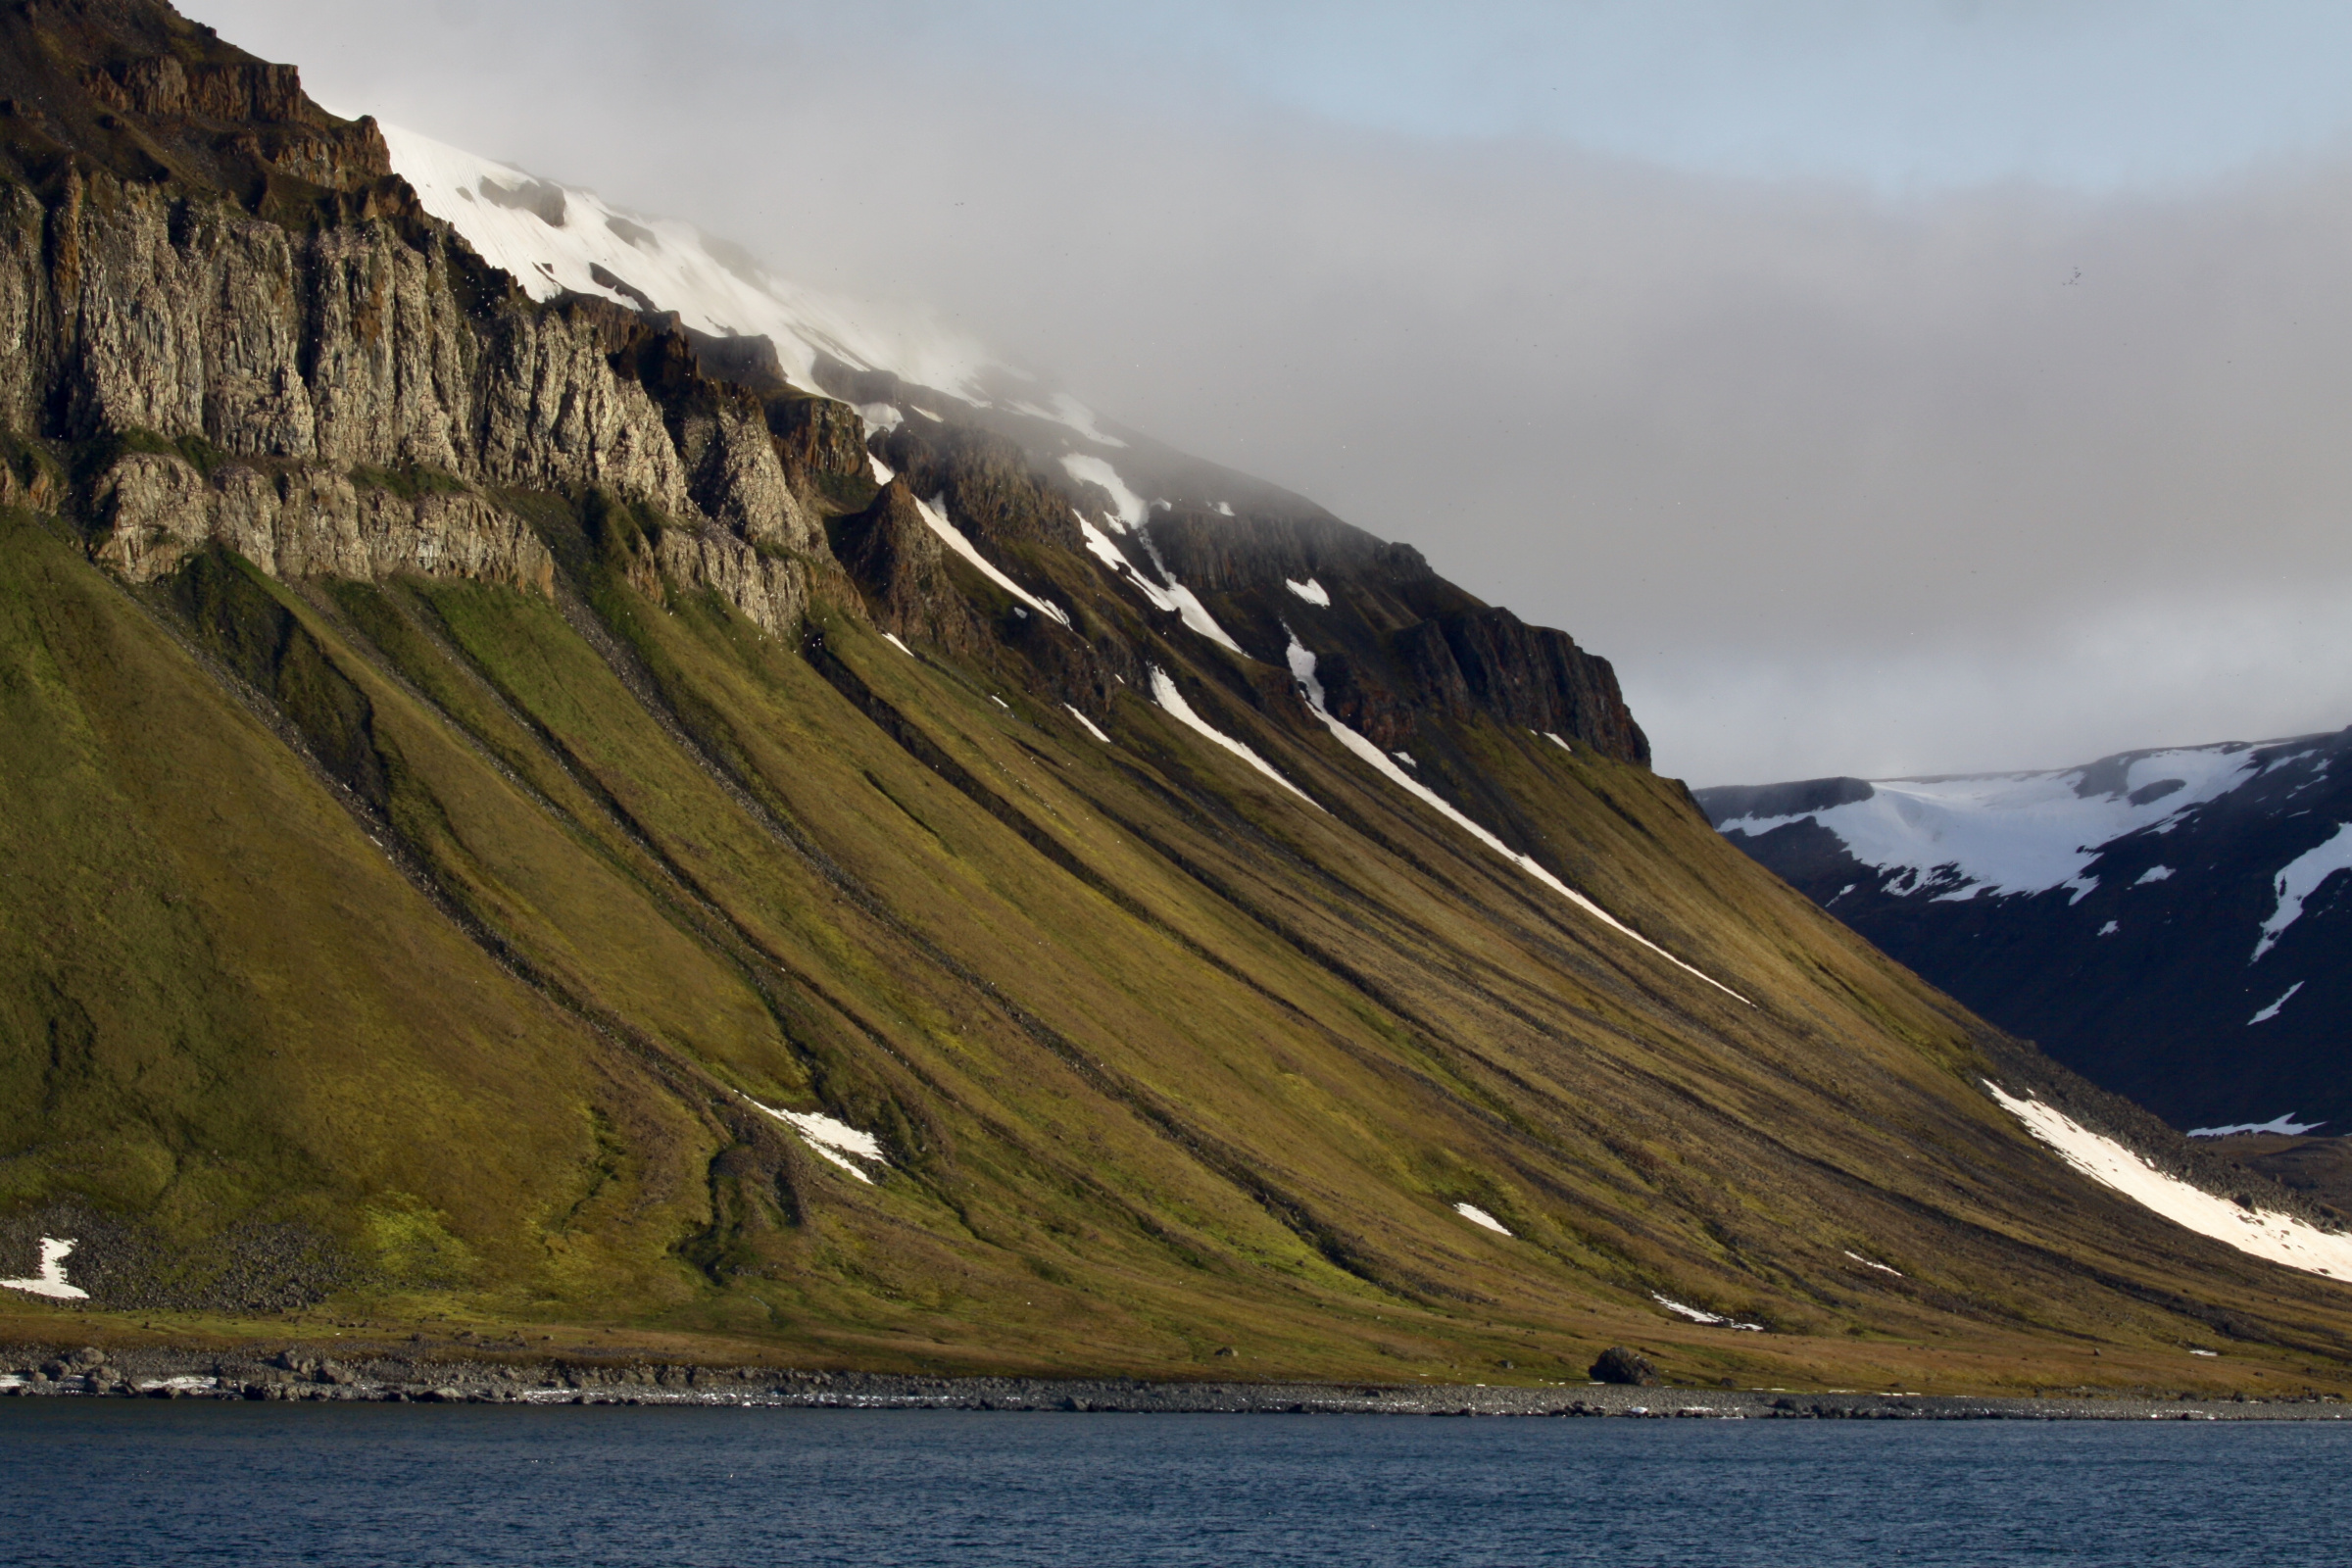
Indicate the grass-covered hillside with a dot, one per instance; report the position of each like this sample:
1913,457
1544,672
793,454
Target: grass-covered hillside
414,953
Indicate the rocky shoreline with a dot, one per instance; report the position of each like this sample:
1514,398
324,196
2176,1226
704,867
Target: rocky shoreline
295,1375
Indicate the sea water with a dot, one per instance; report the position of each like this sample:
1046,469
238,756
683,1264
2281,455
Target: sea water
89,1482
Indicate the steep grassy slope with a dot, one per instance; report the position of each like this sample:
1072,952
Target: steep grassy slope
409,948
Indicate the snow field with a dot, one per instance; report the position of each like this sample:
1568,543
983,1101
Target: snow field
1087,724
2013,832
2262,1233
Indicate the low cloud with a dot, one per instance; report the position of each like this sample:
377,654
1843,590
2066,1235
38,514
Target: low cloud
1843,481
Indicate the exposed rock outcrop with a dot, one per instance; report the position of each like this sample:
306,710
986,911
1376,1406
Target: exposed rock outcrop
157,510
901,565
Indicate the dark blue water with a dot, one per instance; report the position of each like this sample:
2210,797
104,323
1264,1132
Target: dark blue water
92,1482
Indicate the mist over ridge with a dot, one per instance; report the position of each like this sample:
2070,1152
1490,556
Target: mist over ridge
1845,479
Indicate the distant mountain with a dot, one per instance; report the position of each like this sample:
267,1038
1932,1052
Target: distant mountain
2175,925
554,789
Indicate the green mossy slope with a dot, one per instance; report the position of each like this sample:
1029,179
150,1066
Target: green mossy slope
421,953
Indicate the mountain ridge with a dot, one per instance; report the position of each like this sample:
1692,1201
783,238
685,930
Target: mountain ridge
2167,921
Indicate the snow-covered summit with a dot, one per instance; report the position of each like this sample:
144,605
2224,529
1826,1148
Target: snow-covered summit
2175,924
1962,835
556,238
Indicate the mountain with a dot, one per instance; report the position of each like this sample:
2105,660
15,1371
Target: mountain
532,812
2172,924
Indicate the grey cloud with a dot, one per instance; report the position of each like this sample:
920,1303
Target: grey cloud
1842,483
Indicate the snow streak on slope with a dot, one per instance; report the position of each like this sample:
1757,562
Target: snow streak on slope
1680,1309
1302,669
554,238
1132,512
935,515
1099,546
2263,1233
2272,1012
1164,693
2299,879
2015,832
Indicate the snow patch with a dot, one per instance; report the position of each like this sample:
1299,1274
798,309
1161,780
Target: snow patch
1561,744
1087,468
1311,590
1698,1317
2272,1012
935,513
51,1280
2154,873
883,471
2262,1233
1196,615
2284,1126
1867,1263
1104,550
892,638
829,1137
1479,1216
2110,928
1066,409
880,418
2299,879
1407,758
1303,670
1098,545
1164,693
1221,508
1088,725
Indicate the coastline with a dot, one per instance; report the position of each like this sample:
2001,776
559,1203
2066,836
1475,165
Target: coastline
299,1375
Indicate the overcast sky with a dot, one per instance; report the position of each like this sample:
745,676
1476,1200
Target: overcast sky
1885,387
